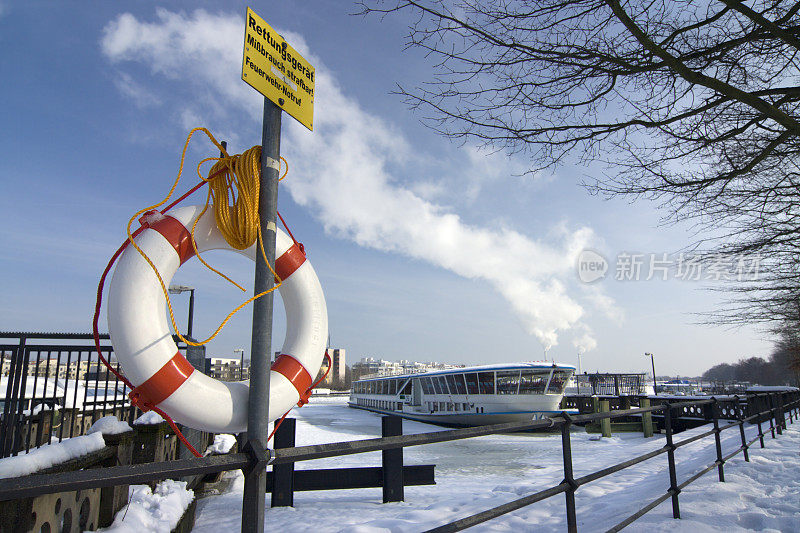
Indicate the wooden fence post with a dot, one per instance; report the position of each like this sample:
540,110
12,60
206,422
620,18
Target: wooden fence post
647,418
392,471
605,423
283,475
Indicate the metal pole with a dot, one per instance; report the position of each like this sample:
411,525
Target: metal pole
566,452
673,477
255,481
653,362
191,313
717,442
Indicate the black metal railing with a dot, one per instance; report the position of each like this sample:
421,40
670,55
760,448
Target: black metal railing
49,391
761,408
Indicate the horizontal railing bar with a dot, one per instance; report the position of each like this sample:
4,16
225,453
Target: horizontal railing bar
36,484
734,452
334,449
500,510
65,348
44,335
640,513
620,466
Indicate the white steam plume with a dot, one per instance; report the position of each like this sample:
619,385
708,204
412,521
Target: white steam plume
341,170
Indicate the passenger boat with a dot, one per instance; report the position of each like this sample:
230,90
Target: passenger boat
473,396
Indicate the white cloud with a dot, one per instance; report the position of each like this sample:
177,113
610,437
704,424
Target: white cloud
138,94
341,171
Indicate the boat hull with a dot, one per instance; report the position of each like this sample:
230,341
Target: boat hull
467,419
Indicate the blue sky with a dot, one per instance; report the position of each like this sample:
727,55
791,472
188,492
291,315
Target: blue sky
426,249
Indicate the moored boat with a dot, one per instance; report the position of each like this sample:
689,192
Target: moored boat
473,396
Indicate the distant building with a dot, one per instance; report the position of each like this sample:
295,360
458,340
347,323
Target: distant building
369,366
227,369
337,373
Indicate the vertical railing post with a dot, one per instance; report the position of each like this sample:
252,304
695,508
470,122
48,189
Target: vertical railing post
15,433
740,418
775,412
782,421
392,461
283,475
566,449
771,415
673,476
759,403
717,441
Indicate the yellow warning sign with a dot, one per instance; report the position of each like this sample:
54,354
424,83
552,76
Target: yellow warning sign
277,71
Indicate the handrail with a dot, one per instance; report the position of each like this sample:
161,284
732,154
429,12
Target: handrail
37,484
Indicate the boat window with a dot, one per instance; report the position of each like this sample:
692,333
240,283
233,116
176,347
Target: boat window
392,386
443,383
559,381
451,382
507,381
486,382
407,388
437,387
460,387
472,383
427,388
533,381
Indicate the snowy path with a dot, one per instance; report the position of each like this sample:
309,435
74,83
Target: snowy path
477,474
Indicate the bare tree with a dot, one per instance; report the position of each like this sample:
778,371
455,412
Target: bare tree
691,104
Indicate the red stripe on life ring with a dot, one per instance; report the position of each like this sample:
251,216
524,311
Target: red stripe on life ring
177,235
295,372
290,261
163,383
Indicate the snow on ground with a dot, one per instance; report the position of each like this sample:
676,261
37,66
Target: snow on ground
156,512
476,474
50,454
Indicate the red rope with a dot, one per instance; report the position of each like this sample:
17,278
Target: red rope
95,320
312,387
121,377
299,244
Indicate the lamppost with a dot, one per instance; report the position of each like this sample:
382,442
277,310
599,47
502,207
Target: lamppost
241,362
653,362
177,289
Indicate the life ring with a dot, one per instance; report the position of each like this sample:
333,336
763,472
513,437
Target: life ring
149,357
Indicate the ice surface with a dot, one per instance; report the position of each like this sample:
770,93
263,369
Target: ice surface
476,474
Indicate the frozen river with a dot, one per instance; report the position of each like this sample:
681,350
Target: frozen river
476,474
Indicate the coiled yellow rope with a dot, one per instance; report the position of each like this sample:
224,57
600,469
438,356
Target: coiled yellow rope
235,202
